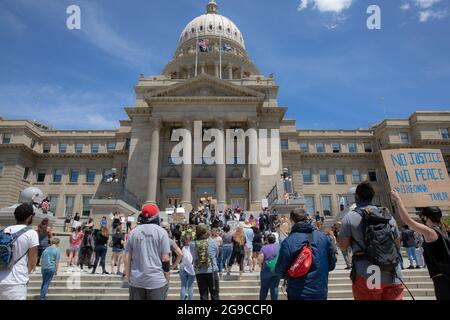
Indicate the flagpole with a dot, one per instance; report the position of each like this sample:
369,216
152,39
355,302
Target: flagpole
196,53
220,56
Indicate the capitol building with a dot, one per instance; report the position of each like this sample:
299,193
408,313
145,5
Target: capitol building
211,79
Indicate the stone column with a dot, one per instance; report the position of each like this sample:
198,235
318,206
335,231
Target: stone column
202,68
221,188
230,71
255,197
216,69
153,164
186,178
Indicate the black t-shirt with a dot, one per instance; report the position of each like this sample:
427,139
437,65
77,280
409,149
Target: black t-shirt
117,239
434,253
100,240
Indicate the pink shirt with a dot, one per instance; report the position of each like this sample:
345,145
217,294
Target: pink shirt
75,241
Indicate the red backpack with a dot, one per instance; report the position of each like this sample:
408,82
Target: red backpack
301,265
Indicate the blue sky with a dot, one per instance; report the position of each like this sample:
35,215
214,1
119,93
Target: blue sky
333,72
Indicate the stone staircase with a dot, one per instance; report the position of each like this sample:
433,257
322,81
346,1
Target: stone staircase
74,285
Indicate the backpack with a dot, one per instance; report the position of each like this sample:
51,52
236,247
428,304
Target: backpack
7,241
203,260
302,264
379,241
271,263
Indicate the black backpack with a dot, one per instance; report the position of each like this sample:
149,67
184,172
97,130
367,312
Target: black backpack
379,240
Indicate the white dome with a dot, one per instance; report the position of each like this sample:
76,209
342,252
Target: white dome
212,24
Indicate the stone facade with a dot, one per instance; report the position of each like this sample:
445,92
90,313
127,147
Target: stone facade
222,88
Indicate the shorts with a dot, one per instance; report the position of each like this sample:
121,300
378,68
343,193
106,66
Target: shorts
117,250
13,292
385,292
72,249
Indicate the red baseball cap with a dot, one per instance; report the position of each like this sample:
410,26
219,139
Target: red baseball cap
150,211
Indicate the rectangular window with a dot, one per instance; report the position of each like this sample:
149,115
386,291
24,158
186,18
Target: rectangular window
7,138
78,147
320,147
74,173
310,206
95,147
69,206
340,176
404,137
336,147
284,144
351,147
1,169
307,178
86,206
304,146
127,144
326,206
26,173
62,147
323,176
46,148
367,147
356,176
57,175
372,175
111,146
41,175
445,133
33,143
53,204
90,176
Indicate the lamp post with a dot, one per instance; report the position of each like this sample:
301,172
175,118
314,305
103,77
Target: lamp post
111,177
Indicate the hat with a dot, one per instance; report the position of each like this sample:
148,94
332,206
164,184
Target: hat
433,213
149,214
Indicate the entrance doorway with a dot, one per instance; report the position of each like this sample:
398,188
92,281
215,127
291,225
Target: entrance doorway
173,202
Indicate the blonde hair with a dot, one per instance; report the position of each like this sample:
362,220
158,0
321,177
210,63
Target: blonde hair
55,241
104,231
239,236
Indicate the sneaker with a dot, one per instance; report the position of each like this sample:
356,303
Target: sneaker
119,273
105,272
410,267
348,268
418,267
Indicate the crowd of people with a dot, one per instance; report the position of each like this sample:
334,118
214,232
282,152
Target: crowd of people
296,251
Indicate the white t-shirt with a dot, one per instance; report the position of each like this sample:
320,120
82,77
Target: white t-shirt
188,261
19,273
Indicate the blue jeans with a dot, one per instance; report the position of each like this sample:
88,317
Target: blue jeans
187,282
100,252
269,282
412,255
219,259
227,250
47,276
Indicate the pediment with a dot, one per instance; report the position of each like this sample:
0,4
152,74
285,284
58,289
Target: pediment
207,87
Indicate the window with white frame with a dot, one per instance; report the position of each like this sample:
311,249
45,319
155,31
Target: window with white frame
320,147
404,137
340,176
336,147
7,137
62,147
78,147
57,175
351,147
284,144
310,205
323,176
326,206
307,177
304,146
356,176
367,147
70,201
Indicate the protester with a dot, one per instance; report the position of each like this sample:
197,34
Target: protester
248,249
267,259
238,253
101,238
45,237
86,249
205,255
23,242
436,245
147,257
68,222
90,224
353,233
74,247
187,272
284,230
175,252
227,239
116,220
177,234
314,284
318,220
103,222
118,242
419,250
257,245
345,253
50,266
215,235
408,239
45,205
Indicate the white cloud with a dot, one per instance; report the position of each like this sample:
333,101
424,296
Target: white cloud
336,6
11,22
425,4
405,7
426,15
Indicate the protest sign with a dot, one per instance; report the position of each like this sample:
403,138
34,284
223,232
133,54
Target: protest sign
419,175
265,203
